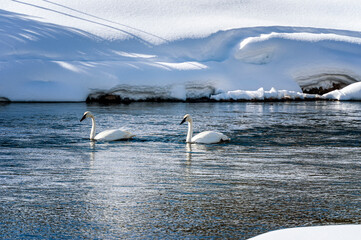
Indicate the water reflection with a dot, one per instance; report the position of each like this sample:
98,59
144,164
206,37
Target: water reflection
189,152
193,149
288,164
92,152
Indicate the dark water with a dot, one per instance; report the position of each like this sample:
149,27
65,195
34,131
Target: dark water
288,164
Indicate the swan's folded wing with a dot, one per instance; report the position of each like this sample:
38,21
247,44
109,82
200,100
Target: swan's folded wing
208,137
113,135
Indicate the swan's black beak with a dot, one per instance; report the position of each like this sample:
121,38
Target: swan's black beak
184,119
83,118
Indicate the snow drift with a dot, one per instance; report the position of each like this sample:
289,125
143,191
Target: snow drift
336,232
351,92
68,51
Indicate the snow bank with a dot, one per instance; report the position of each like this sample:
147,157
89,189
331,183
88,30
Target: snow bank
335,232
308,37
351,92
162,21
261,95
65,50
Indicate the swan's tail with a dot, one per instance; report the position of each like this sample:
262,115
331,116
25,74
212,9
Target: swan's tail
130,135
225,138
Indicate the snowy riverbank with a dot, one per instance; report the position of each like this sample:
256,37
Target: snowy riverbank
61,51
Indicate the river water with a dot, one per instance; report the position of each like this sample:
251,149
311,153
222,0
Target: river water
288,164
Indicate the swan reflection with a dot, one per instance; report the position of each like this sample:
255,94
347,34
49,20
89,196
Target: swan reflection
189,152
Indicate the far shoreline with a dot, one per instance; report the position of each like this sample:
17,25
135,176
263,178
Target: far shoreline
180,101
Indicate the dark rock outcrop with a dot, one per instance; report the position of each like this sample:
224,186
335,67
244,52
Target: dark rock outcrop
324,82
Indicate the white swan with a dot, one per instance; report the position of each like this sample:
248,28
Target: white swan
203,137
107,135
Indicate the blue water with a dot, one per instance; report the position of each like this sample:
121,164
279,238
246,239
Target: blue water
288,164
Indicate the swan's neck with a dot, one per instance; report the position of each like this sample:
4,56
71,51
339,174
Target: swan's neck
190,132
92,132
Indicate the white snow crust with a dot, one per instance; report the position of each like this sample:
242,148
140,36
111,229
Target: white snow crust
334,232
58,50
351,92
261,94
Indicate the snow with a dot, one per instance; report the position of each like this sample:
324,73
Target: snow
261,95
351,92
183,65
335,232
160,21
58,50
309,37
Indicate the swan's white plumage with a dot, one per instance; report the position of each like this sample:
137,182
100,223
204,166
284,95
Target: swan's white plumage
206,137
107,135
113,135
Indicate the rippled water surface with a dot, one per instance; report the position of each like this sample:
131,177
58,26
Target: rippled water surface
288,164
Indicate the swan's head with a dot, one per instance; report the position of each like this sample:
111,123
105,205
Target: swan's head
86,115
186,118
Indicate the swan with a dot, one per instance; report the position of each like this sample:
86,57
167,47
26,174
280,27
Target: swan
203,137
107,135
